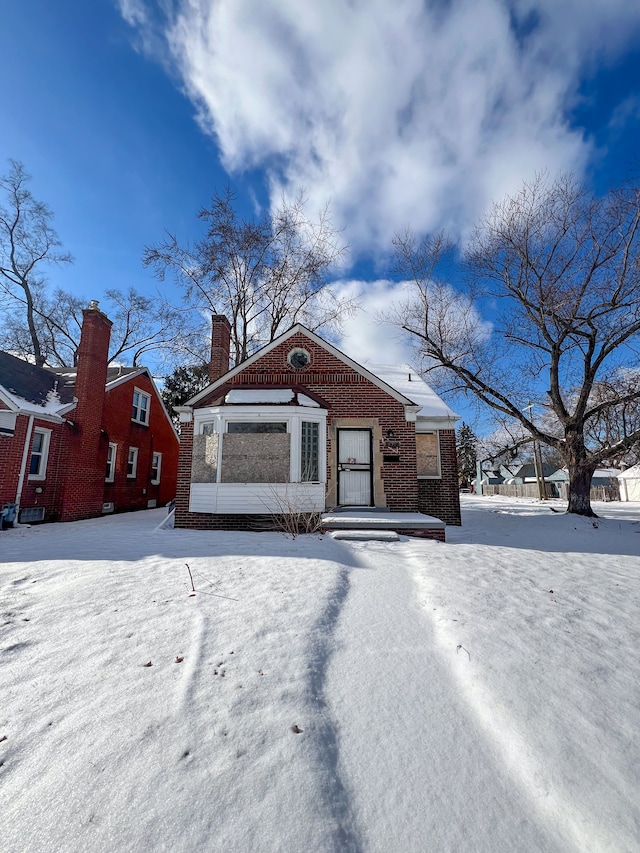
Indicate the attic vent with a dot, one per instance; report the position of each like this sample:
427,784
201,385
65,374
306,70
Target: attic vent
32,513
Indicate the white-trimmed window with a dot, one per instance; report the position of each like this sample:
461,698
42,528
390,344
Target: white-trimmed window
39,454
428,455
110,472
132,463
310,451
140,407
156,467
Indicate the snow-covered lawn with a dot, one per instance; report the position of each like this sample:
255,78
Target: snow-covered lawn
320,695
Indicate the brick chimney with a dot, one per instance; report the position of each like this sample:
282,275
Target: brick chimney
220,347
84,490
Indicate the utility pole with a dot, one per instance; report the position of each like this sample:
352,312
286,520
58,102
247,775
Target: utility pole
537,463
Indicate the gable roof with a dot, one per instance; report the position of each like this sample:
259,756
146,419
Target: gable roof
25,383
408,381
632,473
68,375
370,374
50,390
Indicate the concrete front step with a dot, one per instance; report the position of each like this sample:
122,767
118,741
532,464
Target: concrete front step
366,535
364,518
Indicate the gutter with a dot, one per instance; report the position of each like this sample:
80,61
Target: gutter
23,466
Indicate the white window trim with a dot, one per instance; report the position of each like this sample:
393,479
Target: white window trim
134,472
156,480
44,456
292,415
437,476
136,419
112,473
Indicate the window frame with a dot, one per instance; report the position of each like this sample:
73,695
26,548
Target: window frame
136,409
262,422
132,463
155,481
214,420
110,469
314,448
43,453
437,476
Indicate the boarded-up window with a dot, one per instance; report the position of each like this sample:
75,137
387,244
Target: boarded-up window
204,468
256,457
427,454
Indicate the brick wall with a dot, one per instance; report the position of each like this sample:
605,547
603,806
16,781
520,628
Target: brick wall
10,459
350,396
220,347
45,493
85,452
441,498
183,517
129,493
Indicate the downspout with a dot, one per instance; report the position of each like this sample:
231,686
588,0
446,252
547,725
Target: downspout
23,466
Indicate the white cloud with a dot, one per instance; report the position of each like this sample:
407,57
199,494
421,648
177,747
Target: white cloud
134,12
400,113
364,337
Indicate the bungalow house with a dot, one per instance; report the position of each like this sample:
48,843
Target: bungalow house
78,442
301,427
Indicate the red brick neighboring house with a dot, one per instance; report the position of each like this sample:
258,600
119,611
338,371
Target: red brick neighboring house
300,426
78,442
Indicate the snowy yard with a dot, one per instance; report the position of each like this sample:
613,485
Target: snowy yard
316,695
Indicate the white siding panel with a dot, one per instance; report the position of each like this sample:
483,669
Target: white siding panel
241,499
203,497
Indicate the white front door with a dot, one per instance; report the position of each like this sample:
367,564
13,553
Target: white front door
354,467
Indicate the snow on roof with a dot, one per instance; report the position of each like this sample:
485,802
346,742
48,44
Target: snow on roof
268,396
51,405
407,381
632,473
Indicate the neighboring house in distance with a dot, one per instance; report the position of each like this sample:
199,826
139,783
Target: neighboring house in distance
301,427
77,442
518,473
629,484
607,477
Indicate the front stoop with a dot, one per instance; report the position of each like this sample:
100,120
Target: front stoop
365,519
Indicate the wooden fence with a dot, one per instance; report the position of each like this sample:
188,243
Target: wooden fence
597,493
519,490
553,490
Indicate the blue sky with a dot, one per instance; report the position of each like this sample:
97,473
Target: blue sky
129,114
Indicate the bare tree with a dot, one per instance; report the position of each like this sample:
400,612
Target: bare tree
562,270
28,242
142,325
263,274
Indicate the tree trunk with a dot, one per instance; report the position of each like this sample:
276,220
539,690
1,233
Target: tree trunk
35,341
580,475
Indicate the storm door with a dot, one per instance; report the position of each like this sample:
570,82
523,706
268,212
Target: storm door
354,467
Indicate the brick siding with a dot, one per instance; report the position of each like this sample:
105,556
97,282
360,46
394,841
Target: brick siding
74,486
441,498
350,395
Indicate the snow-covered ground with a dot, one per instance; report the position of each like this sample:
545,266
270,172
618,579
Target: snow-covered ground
320,695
